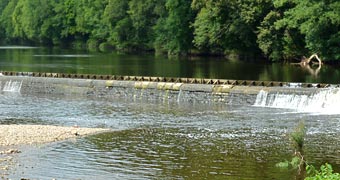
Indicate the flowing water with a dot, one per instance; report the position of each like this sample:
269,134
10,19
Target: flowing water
327,101
12,86
168,140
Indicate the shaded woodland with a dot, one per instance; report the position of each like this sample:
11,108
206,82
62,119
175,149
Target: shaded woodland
276,29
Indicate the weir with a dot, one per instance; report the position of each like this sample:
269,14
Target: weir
323,101
301,97
12,86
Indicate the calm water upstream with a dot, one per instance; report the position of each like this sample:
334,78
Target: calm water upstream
26,59
162,140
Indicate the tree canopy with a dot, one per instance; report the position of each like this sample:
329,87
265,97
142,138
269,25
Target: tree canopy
276,29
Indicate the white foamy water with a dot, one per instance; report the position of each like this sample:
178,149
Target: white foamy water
12,86
65,55
17,47
325,101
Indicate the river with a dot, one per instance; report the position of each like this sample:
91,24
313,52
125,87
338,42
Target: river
55,60
160,140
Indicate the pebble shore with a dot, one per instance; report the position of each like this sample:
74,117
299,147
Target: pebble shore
11,135
16,135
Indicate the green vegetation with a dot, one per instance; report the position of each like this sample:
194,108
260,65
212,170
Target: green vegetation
325,173
276,29
297,137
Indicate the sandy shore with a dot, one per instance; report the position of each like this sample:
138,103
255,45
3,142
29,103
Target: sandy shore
11,135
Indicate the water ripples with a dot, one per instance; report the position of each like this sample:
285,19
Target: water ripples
165,141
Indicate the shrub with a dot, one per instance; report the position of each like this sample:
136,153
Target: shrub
325,173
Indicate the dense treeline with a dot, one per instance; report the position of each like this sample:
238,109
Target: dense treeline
277,29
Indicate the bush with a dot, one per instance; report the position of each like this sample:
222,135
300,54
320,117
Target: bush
106,47
325,173
298,136
92,45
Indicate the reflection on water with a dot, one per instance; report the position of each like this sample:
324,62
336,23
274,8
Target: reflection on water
163,140
30,59
64,55
166,140
18,47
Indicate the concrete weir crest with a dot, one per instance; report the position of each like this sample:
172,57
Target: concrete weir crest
169,86
176,90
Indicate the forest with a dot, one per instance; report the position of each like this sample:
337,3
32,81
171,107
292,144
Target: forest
278,30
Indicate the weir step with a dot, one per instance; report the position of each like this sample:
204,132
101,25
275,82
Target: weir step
170,79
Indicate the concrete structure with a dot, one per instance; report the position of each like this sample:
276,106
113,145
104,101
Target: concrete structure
227,93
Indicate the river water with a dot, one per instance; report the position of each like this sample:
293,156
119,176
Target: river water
166,141
30,59
161,140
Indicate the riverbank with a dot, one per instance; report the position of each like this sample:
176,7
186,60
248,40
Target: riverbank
16,135
12,135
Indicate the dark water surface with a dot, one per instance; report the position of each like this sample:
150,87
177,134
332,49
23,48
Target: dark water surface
166,141
28,59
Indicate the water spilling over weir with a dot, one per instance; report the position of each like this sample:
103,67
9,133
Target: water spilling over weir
12,86
323,101
216,129
302,97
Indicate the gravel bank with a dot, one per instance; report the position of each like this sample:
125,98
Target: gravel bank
11,135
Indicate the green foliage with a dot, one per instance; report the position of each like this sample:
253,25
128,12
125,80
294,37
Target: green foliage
293,164
228,25
319,24
6,19
122,34
301,27
105,47
325,173
93,45
298,161
298,136
3,5
270,38
173,31
278,29
143,18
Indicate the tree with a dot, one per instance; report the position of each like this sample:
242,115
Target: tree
118,23
28,18
319,23
296,28
6,19
279,29
143,17
174,33
64,21
3,5
228,25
